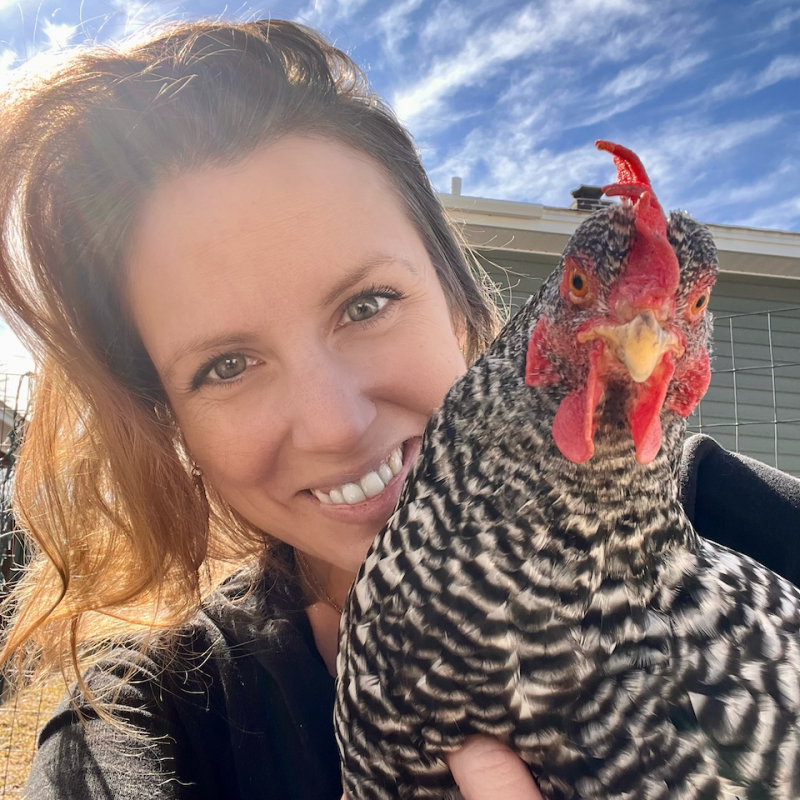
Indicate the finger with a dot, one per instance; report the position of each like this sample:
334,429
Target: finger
485,769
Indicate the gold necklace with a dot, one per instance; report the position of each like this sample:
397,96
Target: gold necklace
308,575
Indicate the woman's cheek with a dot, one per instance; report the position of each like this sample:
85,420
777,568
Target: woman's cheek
431,362
233,439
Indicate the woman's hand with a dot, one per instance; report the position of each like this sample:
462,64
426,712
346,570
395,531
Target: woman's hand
485,769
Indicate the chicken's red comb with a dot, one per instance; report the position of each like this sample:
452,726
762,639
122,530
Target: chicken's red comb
630,170
652,270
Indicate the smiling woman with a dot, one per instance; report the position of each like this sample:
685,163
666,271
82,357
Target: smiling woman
285,302
245,302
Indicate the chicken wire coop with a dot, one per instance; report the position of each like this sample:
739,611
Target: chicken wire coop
752,407
753,403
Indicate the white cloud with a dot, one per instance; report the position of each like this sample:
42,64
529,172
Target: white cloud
783,19
679,156
534,29
546,174
515,164
39,55
740,85
632,78
511,165
395,26
139,15
652,74
733,192
760,202
735,85
783,216
552,55
449,23
8,58
328,12
58,34
636,87
779,69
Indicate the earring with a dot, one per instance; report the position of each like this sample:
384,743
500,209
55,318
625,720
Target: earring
163,413
196,471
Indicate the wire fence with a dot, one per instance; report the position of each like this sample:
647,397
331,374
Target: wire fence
751,407
753,403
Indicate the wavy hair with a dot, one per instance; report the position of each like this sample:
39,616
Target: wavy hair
103,486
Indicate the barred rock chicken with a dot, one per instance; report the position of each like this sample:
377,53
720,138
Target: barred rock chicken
540,581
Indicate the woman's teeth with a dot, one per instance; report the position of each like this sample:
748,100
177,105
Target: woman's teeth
371,485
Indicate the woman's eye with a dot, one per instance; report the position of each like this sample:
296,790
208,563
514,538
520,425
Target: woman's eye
365,307
221,370
228,367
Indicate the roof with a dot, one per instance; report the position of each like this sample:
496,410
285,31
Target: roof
533,228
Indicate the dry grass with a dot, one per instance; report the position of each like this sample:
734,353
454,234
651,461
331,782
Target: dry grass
21,718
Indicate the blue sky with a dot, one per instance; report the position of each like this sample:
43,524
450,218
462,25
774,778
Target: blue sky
510,95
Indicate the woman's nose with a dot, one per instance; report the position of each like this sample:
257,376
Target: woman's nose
329,405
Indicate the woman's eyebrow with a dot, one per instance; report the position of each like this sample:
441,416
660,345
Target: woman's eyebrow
364,269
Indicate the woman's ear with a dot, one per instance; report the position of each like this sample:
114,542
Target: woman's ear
459,323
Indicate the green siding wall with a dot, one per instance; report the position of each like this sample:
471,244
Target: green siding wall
756,358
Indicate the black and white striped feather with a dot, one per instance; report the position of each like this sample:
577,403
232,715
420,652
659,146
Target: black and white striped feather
570,610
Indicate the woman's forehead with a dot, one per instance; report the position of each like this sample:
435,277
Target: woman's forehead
301,216
295,174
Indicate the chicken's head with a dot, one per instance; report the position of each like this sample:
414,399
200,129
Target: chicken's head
625,317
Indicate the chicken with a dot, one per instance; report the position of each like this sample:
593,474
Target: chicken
540,582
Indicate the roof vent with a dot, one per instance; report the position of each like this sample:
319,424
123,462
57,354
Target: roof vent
588,198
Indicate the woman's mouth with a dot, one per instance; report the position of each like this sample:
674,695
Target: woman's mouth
368,486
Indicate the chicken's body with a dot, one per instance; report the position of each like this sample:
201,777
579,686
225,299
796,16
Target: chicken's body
568,609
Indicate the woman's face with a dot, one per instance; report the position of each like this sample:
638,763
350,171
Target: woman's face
301,334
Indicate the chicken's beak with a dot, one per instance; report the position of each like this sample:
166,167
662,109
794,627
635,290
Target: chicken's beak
649,353
639,344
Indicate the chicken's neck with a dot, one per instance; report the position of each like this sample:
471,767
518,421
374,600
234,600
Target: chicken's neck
616,517
608,518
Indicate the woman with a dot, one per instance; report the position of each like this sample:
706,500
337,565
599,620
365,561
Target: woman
245,302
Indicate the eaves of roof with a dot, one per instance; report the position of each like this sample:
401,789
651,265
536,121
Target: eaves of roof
533,228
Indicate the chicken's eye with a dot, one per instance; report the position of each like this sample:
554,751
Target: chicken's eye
698,305
578,285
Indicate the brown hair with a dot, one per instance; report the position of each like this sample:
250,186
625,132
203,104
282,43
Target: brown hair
103,486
